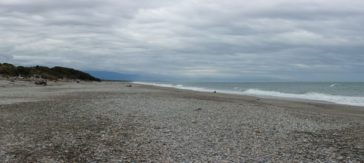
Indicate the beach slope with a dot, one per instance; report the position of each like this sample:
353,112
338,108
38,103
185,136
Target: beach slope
111,122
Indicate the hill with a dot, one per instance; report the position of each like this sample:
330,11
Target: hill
54,73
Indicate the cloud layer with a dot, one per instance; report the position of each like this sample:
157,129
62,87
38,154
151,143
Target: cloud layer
190,39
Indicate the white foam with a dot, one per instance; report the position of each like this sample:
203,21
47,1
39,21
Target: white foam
333,85
178,86
346,100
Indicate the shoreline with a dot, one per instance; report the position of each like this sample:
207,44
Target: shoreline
112,122
266,94
279,101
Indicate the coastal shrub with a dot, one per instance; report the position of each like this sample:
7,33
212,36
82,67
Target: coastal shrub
55,73
7,70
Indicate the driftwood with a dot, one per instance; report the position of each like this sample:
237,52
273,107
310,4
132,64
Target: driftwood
41,82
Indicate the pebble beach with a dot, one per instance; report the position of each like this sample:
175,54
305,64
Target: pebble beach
115,122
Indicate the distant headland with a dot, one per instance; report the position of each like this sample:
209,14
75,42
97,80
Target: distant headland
8,70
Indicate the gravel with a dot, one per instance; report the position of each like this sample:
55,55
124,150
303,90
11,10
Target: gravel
110,122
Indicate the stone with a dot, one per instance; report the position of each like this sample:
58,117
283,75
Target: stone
198,109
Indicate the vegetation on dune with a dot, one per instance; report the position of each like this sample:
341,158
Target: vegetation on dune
55,73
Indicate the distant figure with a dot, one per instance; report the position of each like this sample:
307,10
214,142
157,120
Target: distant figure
214,91
129,85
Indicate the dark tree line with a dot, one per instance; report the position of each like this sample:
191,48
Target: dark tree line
54,73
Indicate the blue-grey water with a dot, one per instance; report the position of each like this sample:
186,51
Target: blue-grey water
349,93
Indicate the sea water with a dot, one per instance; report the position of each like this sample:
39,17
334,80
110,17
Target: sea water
348,93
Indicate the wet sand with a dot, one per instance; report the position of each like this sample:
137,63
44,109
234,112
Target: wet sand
110,122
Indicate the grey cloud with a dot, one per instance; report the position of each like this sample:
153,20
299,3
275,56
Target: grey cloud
5,57
197,40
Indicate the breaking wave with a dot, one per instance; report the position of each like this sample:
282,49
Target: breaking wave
347,100
315,96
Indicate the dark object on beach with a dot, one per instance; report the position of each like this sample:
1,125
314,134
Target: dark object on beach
77,81
198,109
214,92
41,82
258,99
129,85
258,131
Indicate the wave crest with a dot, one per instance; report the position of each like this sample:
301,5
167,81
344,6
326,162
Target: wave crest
347,100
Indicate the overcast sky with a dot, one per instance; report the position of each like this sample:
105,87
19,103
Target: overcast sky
240,40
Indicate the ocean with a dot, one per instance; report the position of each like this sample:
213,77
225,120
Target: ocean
347,93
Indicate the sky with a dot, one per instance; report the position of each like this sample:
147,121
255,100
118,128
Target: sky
194,40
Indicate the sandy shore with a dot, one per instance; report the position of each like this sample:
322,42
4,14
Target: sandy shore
110,122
